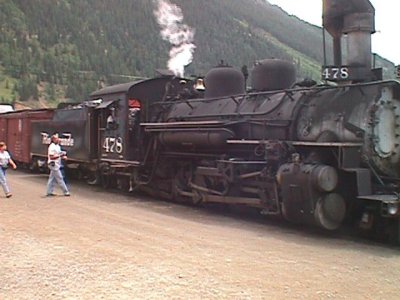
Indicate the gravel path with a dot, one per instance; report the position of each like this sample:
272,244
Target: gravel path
102,245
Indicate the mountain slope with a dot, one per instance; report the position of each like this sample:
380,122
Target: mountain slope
70,46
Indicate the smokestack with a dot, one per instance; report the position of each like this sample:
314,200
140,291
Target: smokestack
356,19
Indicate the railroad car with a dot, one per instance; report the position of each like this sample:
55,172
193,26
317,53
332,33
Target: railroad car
76,127
16,132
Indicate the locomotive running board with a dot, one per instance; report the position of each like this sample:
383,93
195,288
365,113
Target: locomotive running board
150,126
254,202
294,143
381,198
119,163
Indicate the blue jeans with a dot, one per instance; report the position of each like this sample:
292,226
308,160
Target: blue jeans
3,181
56,177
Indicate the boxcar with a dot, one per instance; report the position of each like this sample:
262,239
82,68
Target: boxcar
16,131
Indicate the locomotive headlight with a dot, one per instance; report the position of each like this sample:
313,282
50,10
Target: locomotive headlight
393,208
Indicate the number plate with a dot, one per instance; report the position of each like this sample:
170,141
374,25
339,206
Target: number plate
333,73
113,145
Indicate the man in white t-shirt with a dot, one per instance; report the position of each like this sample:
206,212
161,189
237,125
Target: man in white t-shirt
54,156
5,160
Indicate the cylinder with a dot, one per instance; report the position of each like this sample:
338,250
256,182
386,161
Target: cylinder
330,211
325,178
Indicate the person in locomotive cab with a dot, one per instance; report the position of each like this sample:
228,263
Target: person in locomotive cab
111,123
54,157
5,160
133,119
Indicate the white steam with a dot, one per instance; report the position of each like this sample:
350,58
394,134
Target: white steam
180,36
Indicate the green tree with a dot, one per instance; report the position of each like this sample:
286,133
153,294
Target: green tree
51,92
27,89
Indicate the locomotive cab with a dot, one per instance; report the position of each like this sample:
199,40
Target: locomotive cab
120,113
112,119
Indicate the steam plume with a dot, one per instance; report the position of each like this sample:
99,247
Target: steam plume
180,36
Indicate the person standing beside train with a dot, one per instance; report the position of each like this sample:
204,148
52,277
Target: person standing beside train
5,160
54,156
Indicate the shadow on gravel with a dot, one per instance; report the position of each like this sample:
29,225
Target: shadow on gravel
243,218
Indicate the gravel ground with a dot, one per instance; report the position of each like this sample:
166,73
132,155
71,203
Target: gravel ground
102,245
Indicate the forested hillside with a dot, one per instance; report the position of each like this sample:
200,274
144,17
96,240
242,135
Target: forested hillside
54,49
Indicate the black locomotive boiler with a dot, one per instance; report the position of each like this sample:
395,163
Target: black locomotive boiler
317,154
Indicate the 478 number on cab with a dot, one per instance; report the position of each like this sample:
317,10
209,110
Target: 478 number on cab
113,145
335,73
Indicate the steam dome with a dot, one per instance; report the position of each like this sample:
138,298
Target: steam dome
273,74
224,81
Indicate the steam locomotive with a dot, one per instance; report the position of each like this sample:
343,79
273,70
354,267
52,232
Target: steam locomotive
314,154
